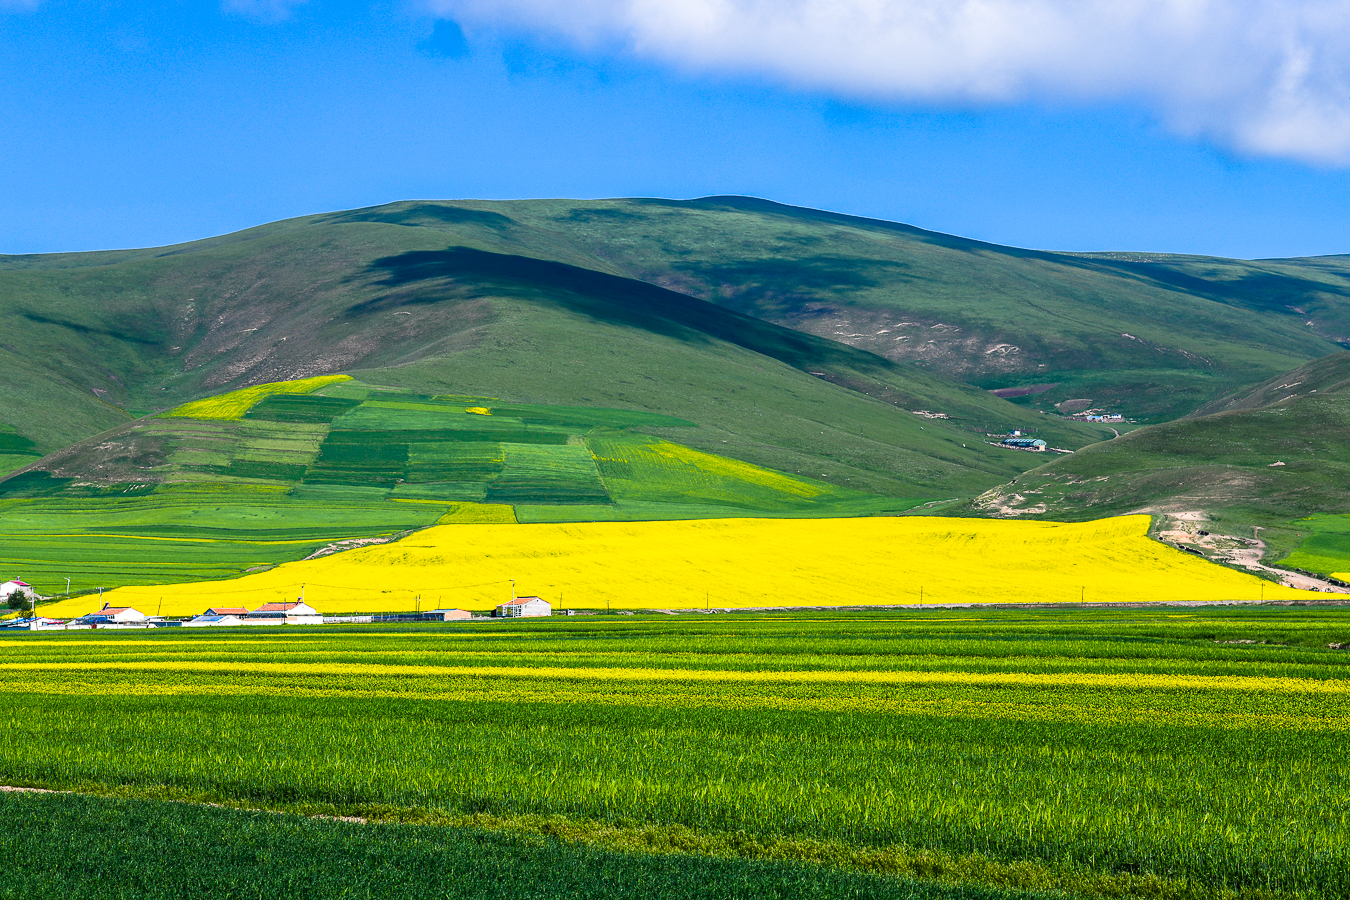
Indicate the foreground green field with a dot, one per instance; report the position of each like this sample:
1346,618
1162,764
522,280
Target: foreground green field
1120,753
135,850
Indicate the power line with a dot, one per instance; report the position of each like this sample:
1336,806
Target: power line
287,588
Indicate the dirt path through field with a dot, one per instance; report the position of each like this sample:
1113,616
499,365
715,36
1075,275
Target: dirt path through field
15,789
1186,530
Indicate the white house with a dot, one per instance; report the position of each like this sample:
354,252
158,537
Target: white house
284,614
208,619
15,584
525,606
119,615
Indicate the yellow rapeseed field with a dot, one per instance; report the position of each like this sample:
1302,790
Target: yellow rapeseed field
234,404
731,563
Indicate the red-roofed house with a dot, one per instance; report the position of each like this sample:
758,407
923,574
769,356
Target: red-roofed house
525,606
15,584
226,611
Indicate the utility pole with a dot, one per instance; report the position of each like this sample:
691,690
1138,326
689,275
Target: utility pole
67,588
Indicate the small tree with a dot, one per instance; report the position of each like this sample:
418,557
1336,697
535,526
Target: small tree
17,600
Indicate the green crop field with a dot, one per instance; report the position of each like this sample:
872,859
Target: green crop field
138,850
1086,753
186,532
1326,549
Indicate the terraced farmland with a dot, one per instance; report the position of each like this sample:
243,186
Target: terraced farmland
273,473
1103,753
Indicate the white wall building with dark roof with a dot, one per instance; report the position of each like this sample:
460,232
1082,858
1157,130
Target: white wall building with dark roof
284,614
208,620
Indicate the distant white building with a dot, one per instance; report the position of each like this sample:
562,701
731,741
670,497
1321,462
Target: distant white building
525,606
284,614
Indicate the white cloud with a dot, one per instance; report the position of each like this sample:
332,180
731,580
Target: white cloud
268,11
1269,77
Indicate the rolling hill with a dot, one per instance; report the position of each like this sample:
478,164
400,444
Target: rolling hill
391,302
1153,337
1274,457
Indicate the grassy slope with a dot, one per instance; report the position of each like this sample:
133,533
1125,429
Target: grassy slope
1328,375
1152,336
1222,464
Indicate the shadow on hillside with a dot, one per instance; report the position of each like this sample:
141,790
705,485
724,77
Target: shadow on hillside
130,335
1254,289
426,215
424,277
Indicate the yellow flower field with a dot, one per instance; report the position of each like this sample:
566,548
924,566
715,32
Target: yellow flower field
233,405
730,563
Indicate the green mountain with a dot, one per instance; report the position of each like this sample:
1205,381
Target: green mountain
102,338
1153,337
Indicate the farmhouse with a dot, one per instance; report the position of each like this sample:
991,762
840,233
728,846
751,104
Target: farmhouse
15,584
525,606
113,617
284,614
1024,443
226,611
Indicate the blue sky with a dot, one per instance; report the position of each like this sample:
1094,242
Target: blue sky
146,123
